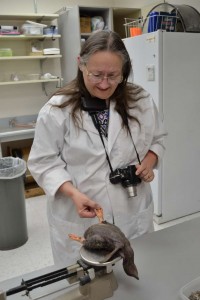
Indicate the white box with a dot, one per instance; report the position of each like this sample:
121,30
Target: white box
50,51
29,29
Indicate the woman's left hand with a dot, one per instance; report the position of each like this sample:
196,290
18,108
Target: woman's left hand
145,169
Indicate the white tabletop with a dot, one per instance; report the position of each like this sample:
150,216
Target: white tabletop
166,261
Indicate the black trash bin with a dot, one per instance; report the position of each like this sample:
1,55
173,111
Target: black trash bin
13,224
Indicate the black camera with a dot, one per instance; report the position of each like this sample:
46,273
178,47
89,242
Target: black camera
127,178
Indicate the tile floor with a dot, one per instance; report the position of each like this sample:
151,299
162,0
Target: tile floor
36,252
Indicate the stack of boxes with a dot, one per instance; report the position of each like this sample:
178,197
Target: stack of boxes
85,24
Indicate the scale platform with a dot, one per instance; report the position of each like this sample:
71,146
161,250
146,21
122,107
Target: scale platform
96,258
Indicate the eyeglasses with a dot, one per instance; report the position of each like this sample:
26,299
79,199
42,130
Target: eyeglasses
98,78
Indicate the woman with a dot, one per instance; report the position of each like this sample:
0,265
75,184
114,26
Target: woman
74,152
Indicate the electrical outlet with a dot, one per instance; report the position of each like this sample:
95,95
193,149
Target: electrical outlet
150,71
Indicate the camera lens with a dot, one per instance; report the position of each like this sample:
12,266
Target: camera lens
132,191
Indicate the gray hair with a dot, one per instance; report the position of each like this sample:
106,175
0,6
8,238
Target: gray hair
106,40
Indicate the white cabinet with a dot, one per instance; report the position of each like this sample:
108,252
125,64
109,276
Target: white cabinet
70,43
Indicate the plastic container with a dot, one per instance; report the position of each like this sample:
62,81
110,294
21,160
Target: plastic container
134,31
190,288
5,52
50,30
13,224
32,76
161,20
97,23
29,29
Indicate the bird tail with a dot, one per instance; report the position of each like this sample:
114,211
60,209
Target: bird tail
128,262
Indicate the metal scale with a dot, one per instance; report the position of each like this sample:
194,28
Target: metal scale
95,280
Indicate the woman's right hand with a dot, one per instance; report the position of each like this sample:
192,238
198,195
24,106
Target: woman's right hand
84,205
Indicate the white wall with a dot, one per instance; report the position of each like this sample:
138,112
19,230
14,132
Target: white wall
51,6
151,3
46,6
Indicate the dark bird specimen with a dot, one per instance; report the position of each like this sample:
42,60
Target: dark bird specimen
108,237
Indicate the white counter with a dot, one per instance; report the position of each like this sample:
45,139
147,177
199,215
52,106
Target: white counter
9,133
13,134
166,261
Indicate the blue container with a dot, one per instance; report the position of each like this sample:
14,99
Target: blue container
161,20
153,21
50,30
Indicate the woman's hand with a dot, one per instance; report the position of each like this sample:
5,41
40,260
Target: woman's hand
145,170
84,205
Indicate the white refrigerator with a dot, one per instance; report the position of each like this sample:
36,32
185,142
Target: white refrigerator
167,64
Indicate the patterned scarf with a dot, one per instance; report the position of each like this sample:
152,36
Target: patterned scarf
103,117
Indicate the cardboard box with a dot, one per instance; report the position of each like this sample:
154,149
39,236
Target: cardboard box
85,24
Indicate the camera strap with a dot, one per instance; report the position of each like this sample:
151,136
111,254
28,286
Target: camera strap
95,120
137,154
97,125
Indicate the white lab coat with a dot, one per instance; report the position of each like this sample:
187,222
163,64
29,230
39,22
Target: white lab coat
62,152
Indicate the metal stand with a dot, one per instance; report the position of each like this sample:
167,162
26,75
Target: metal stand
94,279
100,288
99,283
2,295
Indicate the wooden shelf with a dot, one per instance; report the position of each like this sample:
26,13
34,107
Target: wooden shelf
29,37
36,17
21,50
33,190
27,57
29,81
84,34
